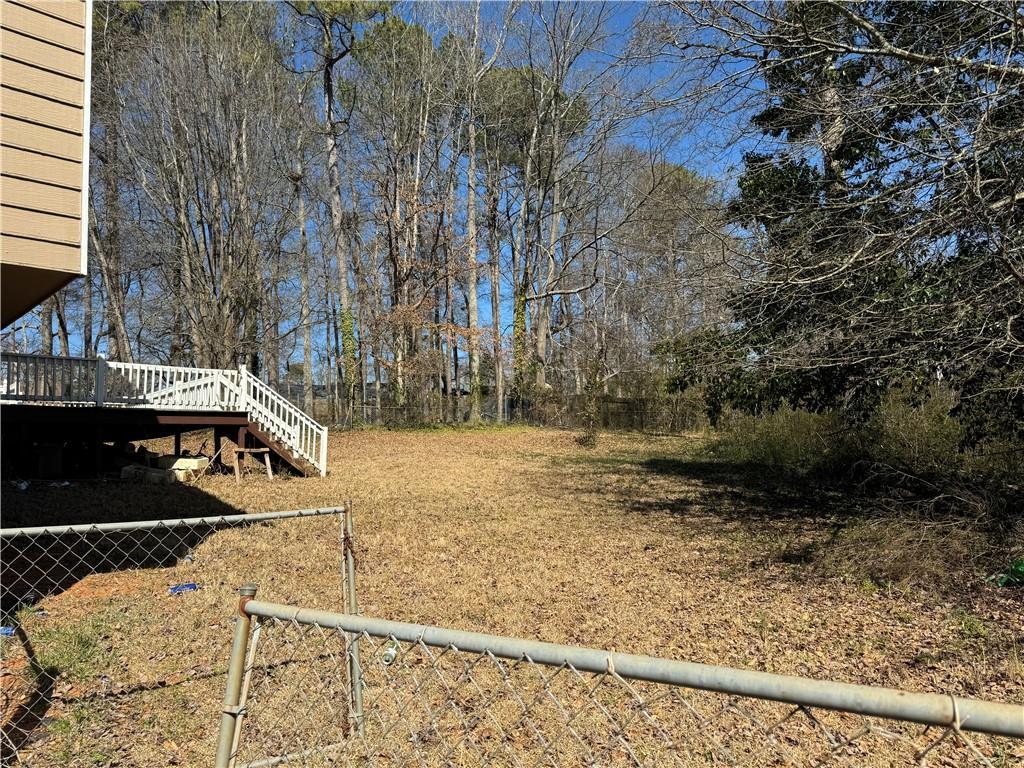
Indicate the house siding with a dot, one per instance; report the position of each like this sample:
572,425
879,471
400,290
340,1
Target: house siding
44,63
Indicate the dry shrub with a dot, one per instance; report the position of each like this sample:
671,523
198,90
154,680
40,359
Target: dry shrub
909,551
587,438
791,439
946,508
918,437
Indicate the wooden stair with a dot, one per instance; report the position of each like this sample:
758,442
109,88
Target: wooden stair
281,451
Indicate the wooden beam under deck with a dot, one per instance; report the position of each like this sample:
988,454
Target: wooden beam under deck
42,423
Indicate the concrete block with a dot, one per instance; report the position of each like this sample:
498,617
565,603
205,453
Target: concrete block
184,463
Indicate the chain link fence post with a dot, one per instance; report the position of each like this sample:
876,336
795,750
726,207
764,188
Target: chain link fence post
230,712
352,607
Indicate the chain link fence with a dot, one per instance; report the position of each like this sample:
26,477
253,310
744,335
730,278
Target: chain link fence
314,688
94,612
667,413
431,696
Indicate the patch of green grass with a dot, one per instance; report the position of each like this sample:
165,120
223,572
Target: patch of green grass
77,650
869,586
972,627
71,734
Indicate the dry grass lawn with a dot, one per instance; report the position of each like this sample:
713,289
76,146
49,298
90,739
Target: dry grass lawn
636,544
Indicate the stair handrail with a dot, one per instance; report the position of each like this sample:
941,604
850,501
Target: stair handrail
285,425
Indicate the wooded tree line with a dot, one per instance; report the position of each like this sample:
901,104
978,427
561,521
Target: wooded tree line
442,200
423,207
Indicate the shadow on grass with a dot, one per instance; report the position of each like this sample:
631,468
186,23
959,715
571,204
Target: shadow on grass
28,713
737,491
762,515
729,491
766,517
34,565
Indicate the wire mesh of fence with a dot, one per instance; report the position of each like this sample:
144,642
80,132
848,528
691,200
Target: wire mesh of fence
96,613
37,561
437,697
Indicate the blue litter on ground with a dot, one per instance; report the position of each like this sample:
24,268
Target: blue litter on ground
6,631
178,589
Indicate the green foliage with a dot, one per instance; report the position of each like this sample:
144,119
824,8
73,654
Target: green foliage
395,45
590,417
859,292
348,346
510,101
520,353
349,12
1013,576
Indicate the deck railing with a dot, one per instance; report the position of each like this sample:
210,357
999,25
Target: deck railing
170,386
108,383
45,378
284,421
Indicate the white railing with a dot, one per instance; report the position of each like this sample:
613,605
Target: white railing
171,386
284,421
45,378
86,381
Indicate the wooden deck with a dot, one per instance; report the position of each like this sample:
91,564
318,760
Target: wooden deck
52,400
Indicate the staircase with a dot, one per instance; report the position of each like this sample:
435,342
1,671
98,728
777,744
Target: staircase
77,381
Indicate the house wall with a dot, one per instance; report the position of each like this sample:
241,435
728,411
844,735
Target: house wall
44,119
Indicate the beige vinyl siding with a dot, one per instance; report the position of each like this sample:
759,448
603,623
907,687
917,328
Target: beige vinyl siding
66,10
41,139
29,20
24,251
39,225
42,197
39,81
41,110
42,99
47,56
47,170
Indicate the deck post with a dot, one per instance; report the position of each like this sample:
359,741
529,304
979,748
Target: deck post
177,444
101,380
243,390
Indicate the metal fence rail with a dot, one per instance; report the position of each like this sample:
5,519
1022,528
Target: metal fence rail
77,574
437,696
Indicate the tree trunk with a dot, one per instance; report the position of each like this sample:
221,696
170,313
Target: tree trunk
62,324
87,341
304,301
46,326
521,271
546,303
348,334
473,320
494,257
118,347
